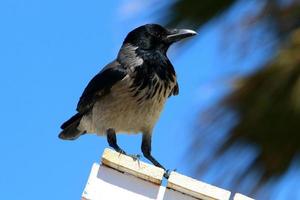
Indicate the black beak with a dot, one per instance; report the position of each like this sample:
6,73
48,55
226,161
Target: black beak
179,34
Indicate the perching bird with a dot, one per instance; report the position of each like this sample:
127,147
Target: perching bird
129,94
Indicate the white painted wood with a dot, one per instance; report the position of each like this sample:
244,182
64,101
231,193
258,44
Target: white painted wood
239,196
171,194
120,177
137,168
196,188
106,183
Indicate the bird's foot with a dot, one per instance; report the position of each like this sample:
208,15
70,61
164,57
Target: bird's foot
121,151
168,173
135,157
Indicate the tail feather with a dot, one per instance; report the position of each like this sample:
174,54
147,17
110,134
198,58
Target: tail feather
70,128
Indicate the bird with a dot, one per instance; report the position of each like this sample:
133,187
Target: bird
129,93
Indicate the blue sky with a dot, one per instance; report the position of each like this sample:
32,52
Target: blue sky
49,51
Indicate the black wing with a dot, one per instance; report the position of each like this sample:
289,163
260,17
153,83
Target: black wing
100,85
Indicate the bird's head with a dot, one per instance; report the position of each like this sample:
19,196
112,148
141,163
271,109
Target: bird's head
155,37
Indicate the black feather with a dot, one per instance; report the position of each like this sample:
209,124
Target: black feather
71,120
175,90
155,89
70,128
155,64
100,85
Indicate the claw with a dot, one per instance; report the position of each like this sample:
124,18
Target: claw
135,156
121,151
168,173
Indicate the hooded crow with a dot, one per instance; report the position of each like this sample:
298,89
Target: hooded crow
129,93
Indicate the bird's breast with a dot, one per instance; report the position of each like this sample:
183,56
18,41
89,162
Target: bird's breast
153,90
128,107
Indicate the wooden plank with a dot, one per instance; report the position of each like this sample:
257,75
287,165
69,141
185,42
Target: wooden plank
136,168
239,196
107,183
121,177
196,188
171,194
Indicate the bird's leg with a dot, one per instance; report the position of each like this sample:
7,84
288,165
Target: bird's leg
112,140
146,149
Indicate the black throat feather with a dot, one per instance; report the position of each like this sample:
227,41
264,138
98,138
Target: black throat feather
154,77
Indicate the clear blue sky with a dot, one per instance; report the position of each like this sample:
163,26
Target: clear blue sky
49,51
